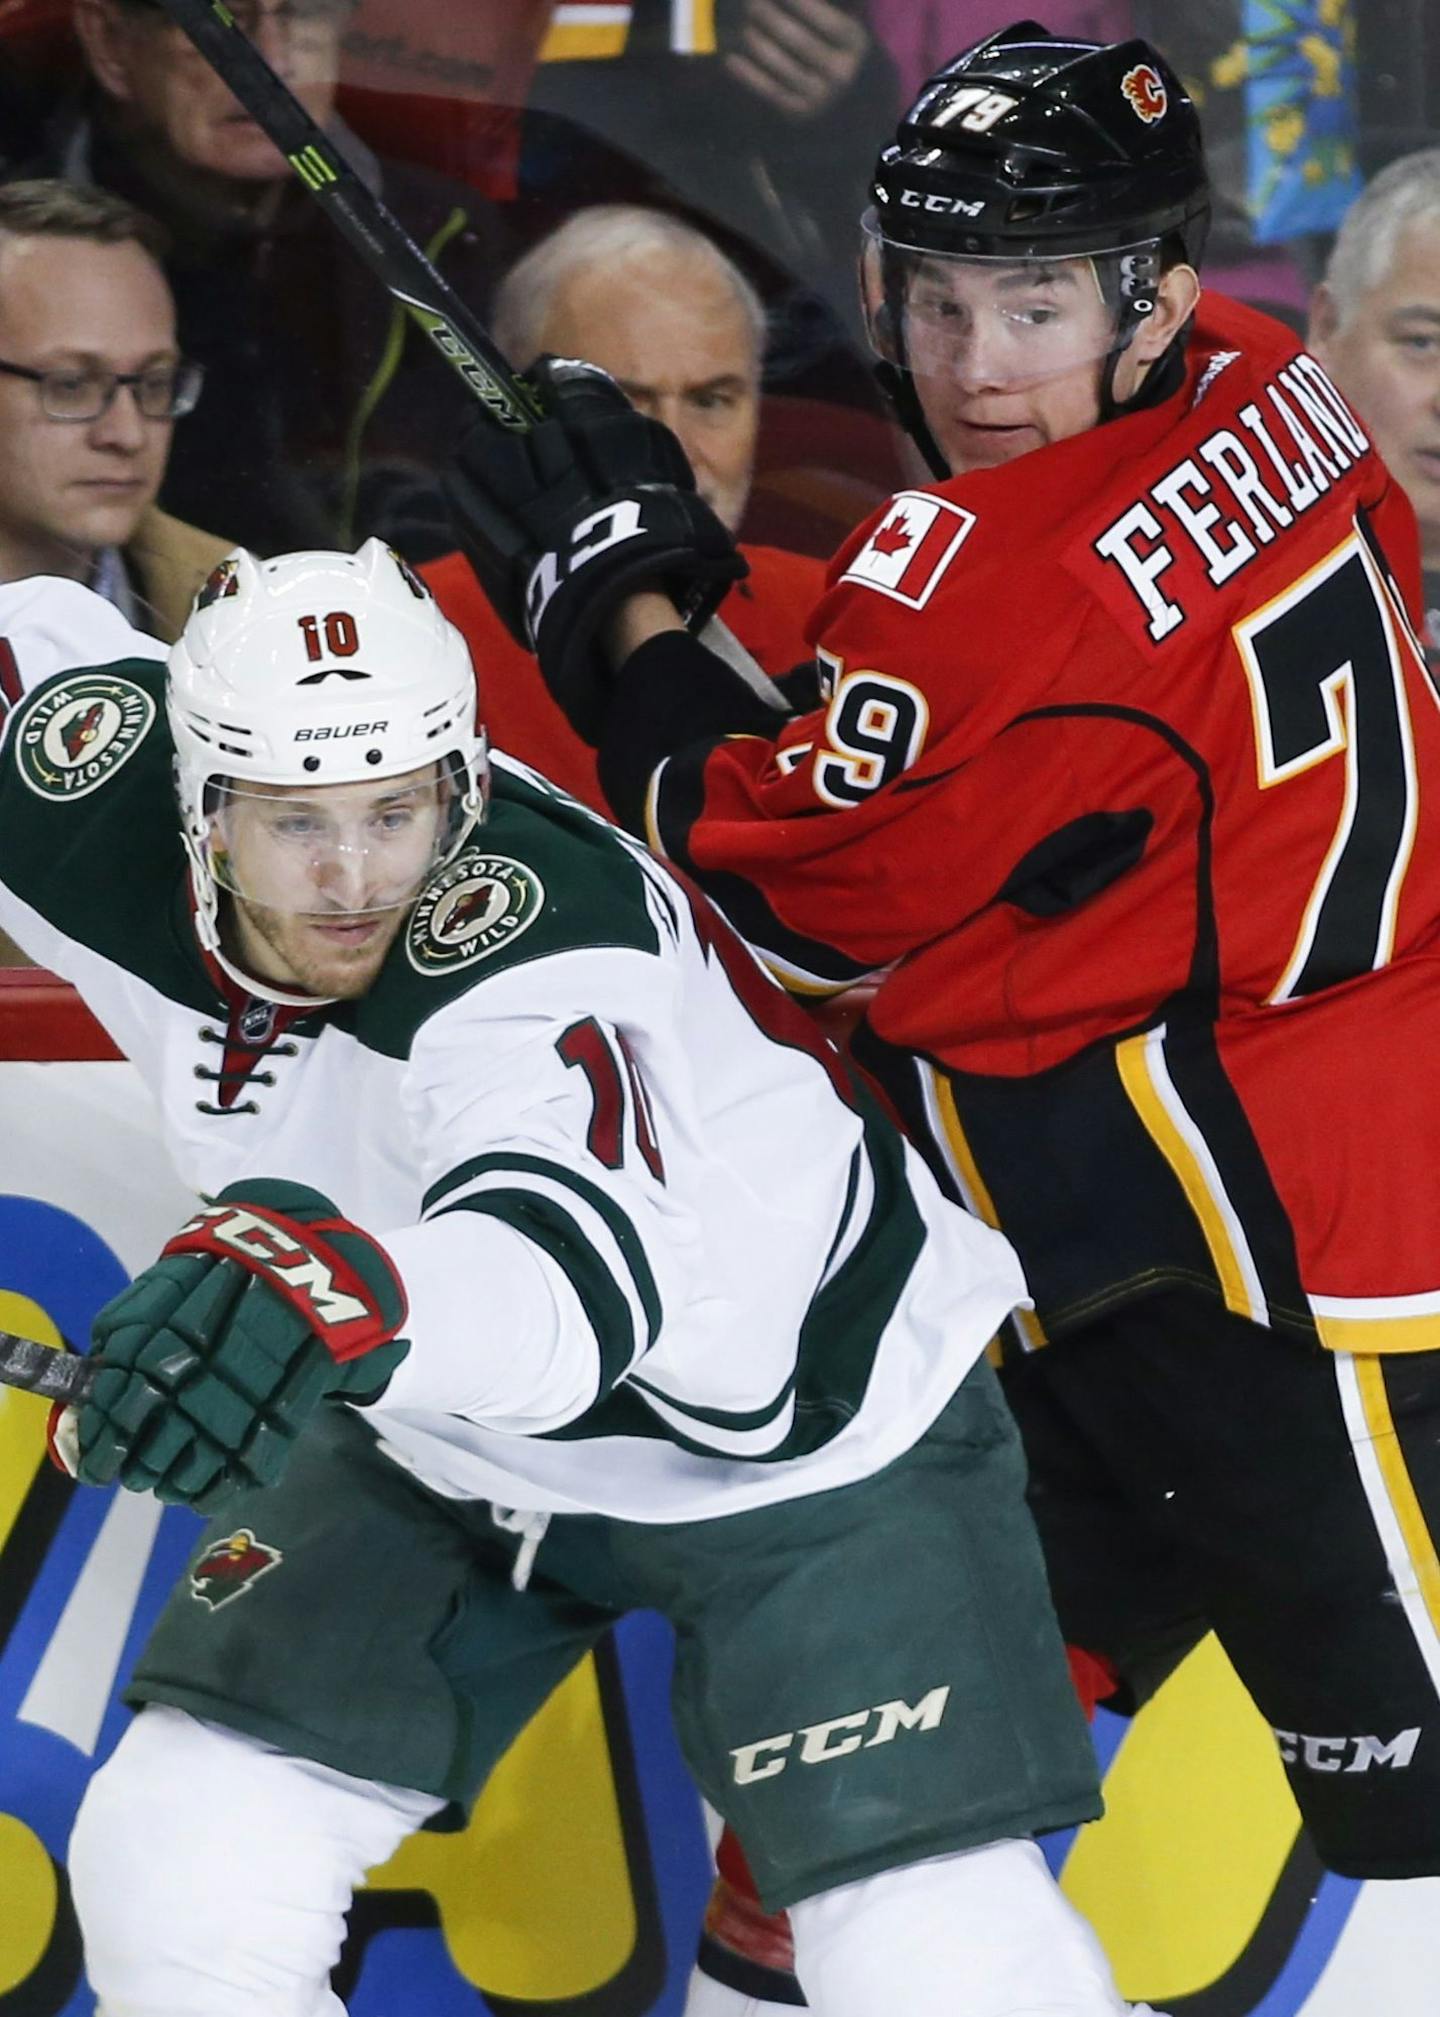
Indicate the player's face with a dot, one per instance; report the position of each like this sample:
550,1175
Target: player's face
1005,358
673,333
168,90
1386,360
69,487
322,878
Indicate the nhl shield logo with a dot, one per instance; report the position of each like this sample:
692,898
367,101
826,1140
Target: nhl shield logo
75,736
473,908
228,1568
255,1023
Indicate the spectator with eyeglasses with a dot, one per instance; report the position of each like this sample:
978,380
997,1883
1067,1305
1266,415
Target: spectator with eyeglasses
91,385
324,410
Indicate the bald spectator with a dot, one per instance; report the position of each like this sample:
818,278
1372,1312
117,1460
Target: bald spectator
326,411
656,304
92,384
1375,326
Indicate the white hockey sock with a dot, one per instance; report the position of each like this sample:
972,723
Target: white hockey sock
709,1998
212,1874
986,1931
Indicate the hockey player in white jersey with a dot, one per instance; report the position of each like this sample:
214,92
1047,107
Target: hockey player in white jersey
553,1267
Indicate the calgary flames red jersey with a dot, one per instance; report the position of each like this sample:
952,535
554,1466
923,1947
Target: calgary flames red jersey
1128,787
766,612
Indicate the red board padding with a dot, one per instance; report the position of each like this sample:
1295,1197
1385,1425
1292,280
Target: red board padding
43,1019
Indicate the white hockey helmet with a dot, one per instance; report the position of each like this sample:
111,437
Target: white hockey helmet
318,669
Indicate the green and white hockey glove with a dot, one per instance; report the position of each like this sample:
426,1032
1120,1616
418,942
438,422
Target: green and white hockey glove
211,1362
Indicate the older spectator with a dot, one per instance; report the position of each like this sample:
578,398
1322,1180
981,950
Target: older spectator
323,405
91,385
1375,326
654,302
682,330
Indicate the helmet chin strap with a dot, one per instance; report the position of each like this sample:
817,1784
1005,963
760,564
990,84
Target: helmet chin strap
206,896
898,387
1165,376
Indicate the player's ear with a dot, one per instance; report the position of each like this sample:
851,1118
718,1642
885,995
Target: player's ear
1324,319
1175,300
100,29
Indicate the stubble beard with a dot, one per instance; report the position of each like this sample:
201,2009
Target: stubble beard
341,974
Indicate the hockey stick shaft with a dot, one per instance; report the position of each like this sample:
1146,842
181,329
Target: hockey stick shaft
381,241
40,1369
392,254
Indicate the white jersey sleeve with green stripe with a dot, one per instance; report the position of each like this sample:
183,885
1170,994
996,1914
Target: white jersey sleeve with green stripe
662,1262
665,1268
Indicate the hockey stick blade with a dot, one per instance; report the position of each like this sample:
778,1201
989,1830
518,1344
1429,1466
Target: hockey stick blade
381,241
40,1369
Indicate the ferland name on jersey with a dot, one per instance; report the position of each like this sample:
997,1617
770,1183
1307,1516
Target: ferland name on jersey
1299,439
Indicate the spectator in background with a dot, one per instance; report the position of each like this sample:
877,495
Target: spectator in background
91,385
751,114
1375,326
656,304
323,404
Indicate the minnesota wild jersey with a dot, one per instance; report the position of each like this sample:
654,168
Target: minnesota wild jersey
663,1261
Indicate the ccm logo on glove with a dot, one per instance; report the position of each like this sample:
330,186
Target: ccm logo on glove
615,524
309,1273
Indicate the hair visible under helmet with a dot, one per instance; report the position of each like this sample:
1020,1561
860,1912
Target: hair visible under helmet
317,669
1033,147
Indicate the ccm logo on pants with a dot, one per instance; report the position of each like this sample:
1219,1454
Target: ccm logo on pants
820,1742
1346,1754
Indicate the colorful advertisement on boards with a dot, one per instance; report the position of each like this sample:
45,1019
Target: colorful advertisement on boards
576,1886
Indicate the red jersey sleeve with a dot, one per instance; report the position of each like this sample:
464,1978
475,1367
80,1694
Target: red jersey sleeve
766,612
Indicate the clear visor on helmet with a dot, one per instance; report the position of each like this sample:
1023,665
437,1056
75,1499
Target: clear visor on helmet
321,850
995,322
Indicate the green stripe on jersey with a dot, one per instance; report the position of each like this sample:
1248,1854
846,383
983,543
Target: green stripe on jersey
620,1225
837,1342
542,1222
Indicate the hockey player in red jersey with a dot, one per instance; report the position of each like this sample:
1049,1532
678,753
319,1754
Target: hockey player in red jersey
1117,786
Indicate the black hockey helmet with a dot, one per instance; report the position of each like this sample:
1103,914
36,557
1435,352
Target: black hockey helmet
1030,146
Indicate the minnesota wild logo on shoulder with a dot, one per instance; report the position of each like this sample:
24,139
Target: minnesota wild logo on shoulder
228,1568
473,908
76,735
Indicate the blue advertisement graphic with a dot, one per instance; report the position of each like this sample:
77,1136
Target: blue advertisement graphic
594,1840
401,1954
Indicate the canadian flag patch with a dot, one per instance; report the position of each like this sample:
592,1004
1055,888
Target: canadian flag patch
911,547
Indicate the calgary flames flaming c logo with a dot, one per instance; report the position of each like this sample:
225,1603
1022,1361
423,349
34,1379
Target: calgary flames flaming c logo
1145,89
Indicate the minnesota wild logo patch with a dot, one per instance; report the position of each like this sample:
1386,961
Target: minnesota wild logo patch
228,1568
75,736
473,908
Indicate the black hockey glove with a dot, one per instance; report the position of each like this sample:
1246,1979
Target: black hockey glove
562,523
